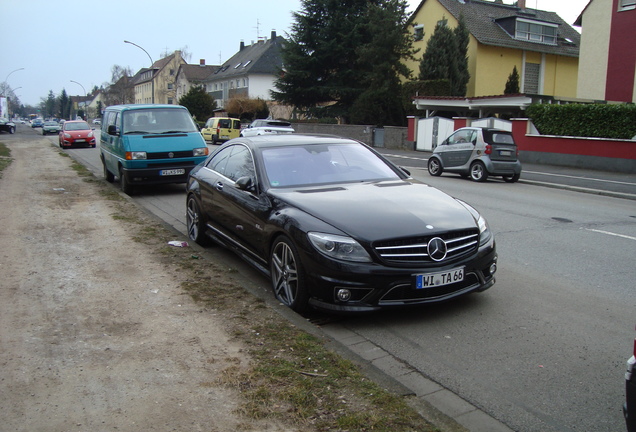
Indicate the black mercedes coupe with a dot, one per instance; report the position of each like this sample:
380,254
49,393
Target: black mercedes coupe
336,226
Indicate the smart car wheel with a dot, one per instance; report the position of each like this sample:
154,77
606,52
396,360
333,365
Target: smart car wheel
512,179
434,167
195,222
478,172
288,278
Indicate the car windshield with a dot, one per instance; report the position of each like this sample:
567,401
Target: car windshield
76,126
158,121
305,165
50,123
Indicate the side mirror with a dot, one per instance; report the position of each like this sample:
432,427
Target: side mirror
112,130
245,184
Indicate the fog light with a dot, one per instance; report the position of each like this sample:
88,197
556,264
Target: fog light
493,268
344,295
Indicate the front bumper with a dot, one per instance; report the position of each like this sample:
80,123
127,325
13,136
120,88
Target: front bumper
153,175
374,287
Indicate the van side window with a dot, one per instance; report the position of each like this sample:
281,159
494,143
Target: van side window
237,124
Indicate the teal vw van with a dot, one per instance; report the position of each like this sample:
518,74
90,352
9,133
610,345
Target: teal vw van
149,144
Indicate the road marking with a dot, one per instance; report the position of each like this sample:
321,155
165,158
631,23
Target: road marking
612,234
581,178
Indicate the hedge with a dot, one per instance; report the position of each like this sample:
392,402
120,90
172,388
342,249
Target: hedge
617,121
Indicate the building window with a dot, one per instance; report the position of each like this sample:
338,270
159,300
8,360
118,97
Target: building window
418,32
170,86
531,78
170,101
626,5
536,32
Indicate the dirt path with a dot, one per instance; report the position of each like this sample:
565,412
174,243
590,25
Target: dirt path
95,334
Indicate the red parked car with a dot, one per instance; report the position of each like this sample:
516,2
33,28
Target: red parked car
77,133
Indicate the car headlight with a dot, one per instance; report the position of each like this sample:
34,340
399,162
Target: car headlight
484,230
90,134
203,151
135,155
339,247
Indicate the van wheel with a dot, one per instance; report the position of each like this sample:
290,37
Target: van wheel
435,167
124,184
478,172
214,139
109,176
512,179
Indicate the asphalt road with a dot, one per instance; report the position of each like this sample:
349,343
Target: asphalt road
545,348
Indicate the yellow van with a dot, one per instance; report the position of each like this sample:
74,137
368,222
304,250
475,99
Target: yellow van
221,129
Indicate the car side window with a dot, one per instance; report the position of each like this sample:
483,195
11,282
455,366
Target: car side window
462,137
233,162
239,164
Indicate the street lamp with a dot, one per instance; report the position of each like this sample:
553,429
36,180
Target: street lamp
152,78
85,98
7,78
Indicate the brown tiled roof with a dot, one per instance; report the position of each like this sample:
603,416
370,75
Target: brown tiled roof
483,17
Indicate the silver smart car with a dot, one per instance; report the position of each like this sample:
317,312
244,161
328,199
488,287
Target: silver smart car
477,153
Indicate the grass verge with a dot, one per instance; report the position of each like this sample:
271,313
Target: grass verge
292,377
5,158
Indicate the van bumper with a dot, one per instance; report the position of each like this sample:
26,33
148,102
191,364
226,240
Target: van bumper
158,175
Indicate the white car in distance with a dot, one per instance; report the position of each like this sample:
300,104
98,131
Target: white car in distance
266,127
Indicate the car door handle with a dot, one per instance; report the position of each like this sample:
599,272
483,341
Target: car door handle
219,186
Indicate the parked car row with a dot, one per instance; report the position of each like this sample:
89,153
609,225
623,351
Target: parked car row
6,125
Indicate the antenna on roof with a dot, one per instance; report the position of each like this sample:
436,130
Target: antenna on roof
258,29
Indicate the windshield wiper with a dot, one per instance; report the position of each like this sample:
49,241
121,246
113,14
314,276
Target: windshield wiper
173,131
136,132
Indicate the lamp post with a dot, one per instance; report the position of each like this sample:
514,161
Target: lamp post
85,98
152,78
7,78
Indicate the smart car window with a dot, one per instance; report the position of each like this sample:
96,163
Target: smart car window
461,137
501,138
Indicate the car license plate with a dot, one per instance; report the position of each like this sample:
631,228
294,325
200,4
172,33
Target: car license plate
430,280
172,172
80,140
505,153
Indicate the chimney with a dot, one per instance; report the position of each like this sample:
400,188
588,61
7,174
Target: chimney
521,4
202,62
273,37
242,46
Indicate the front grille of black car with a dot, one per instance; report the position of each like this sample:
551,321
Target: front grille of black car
406,293
414,250
166,155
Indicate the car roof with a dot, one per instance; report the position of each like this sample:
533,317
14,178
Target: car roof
274,140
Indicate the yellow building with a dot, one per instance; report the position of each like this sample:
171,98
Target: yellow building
158,83
543,47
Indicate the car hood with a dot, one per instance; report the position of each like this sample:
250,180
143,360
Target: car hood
381,210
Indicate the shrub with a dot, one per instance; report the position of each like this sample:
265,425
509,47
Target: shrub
616,121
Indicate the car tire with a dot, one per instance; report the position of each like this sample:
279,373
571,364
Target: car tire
478,172
287,275
195,222
109,176
124,184
12,130
512,179
435,167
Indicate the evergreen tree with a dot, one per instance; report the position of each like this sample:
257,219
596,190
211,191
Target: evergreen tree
446,57
328,59
459,82
512,85
65,105
200,104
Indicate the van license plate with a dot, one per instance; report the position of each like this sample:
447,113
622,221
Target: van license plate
225,137
439,279
172,172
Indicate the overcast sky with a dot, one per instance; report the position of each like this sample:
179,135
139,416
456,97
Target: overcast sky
57,42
